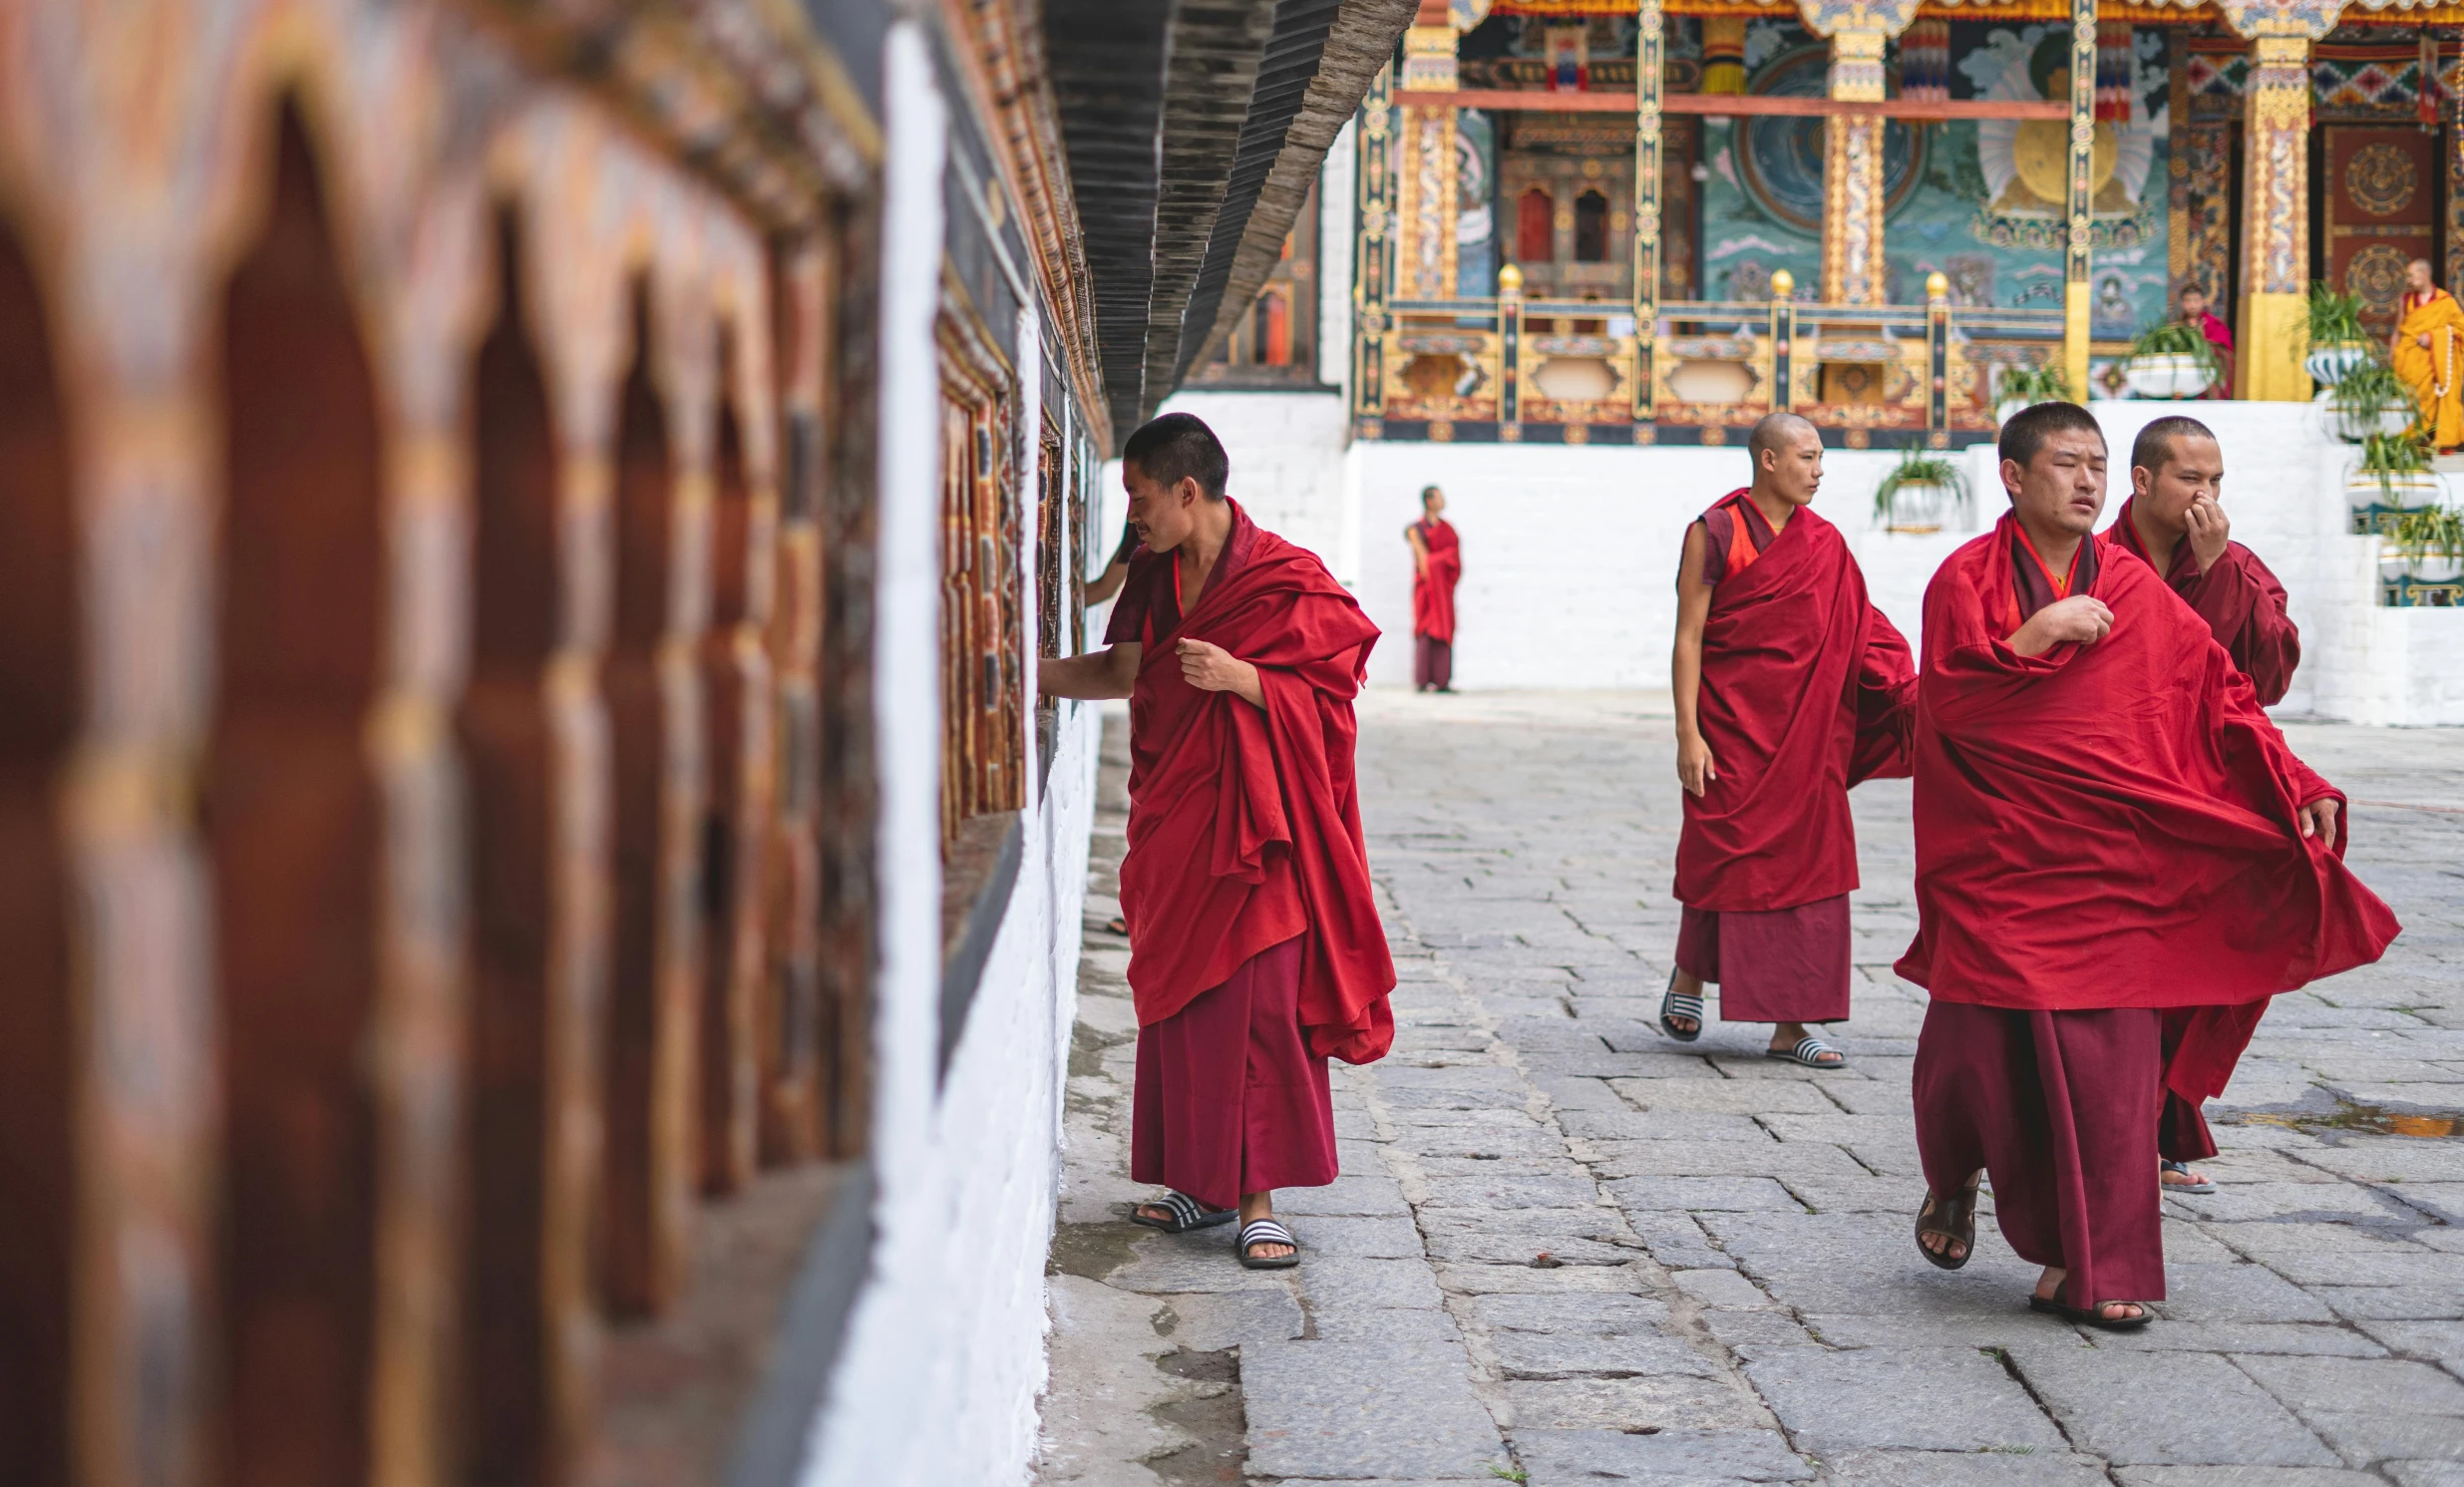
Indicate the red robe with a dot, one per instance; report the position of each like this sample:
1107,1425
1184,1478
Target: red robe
1805,691
2240,599
2219,335
2112,825
1245,824
1433,590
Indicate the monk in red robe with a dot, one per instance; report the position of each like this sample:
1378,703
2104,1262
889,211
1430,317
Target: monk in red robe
1437,566
2217,333
1256,952
1790,687
2108,827
2177,476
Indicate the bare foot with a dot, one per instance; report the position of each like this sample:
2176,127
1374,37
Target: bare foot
2187,1179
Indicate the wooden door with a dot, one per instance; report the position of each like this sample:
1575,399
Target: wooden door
2382,212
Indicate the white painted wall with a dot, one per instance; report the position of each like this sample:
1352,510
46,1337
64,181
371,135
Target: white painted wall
1286,452
942,1360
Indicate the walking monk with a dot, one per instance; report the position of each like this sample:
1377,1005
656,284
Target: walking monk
2176,478
1790,687
1256,951
1437,566
2426,355
2107,826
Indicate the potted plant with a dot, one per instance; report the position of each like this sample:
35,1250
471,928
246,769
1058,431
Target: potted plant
2172,360
2020,387
2371,399
2392,474
1920,493
2424,545
2339,342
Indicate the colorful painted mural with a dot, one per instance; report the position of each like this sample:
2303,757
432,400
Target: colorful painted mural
1979,202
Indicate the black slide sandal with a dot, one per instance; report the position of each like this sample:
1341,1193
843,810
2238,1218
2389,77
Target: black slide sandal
1957,1223
1266,1232
1186,1213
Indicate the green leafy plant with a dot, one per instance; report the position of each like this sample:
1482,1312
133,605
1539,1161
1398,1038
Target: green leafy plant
2365,392
2033,385
2427,531
1919,467
2173,339
2386,455
2335,320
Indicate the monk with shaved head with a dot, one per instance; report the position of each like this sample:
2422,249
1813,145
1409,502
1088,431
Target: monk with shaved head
1790,687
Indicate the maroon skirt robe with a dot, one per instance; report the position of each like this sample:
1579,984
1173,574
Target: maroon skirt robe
1777,965
1229,1098
2059,1110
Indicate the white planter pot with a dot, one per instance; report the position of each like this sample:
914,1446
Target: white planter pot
2328,364
1918,508
2416,488
2352,428
2003,410
2428,568
2171,375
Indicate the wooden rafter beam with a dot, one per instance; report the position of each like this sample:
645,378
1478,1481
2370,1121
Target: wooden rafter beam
1726,105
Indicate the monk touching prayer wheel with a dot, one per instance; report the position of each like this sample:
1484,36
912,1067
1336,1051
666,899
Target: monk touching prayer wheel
2109,833
1256,951
1790,687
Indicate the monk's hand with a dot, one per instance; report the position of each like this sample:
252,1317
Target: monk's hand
2078,620
1694,766
2318,819
1211,668
2422,341
2208,527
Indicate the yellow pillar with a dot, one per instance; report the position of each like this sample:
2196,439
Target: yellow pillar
2077,203
1853,266
2275,249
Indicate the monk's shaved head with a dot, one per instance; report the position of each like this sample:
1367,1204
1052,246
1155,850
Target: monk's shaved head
2027,431
1776,432
2154,446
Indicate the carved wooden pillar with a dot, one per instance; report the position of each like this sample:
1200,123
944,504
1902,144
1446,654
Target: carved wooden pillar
1647,67
2275,245
1853,266
1374,253
2076,196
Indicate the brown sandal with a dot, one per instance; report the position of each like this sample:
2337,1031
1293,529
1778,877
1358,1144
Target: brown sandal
2093,1317
1957,1223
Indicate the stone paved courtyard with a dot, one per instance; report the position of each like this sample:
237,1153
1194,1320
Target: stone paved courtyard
1566,1251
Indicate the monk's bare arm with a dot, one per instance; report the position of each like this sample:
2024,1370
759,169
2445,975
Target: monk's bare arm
1419,551
1694,762
1109,672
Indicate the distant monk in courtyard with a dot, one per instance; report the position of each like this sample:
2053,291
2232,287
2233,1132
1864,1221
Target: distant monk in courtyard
2219,335
2107,827
2426,355
1790,687
1256,951
1437,566
2176,480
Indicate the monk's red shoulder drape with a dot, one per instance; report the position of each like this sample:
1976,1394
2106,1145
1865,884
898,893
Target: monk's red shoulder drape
1245,824
2112,825
1806,690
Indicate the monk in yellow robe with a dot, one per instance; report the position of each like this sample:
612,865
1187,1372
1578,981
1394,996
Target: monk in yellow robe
2428,353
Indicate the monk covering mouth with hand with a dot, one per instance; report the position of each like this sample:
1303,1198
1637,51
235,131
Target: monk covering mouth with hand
2107,827
2175,523
1256,951
1790,687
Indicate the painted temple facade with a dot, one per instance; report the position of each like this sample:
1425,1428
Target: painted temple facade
1594,222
